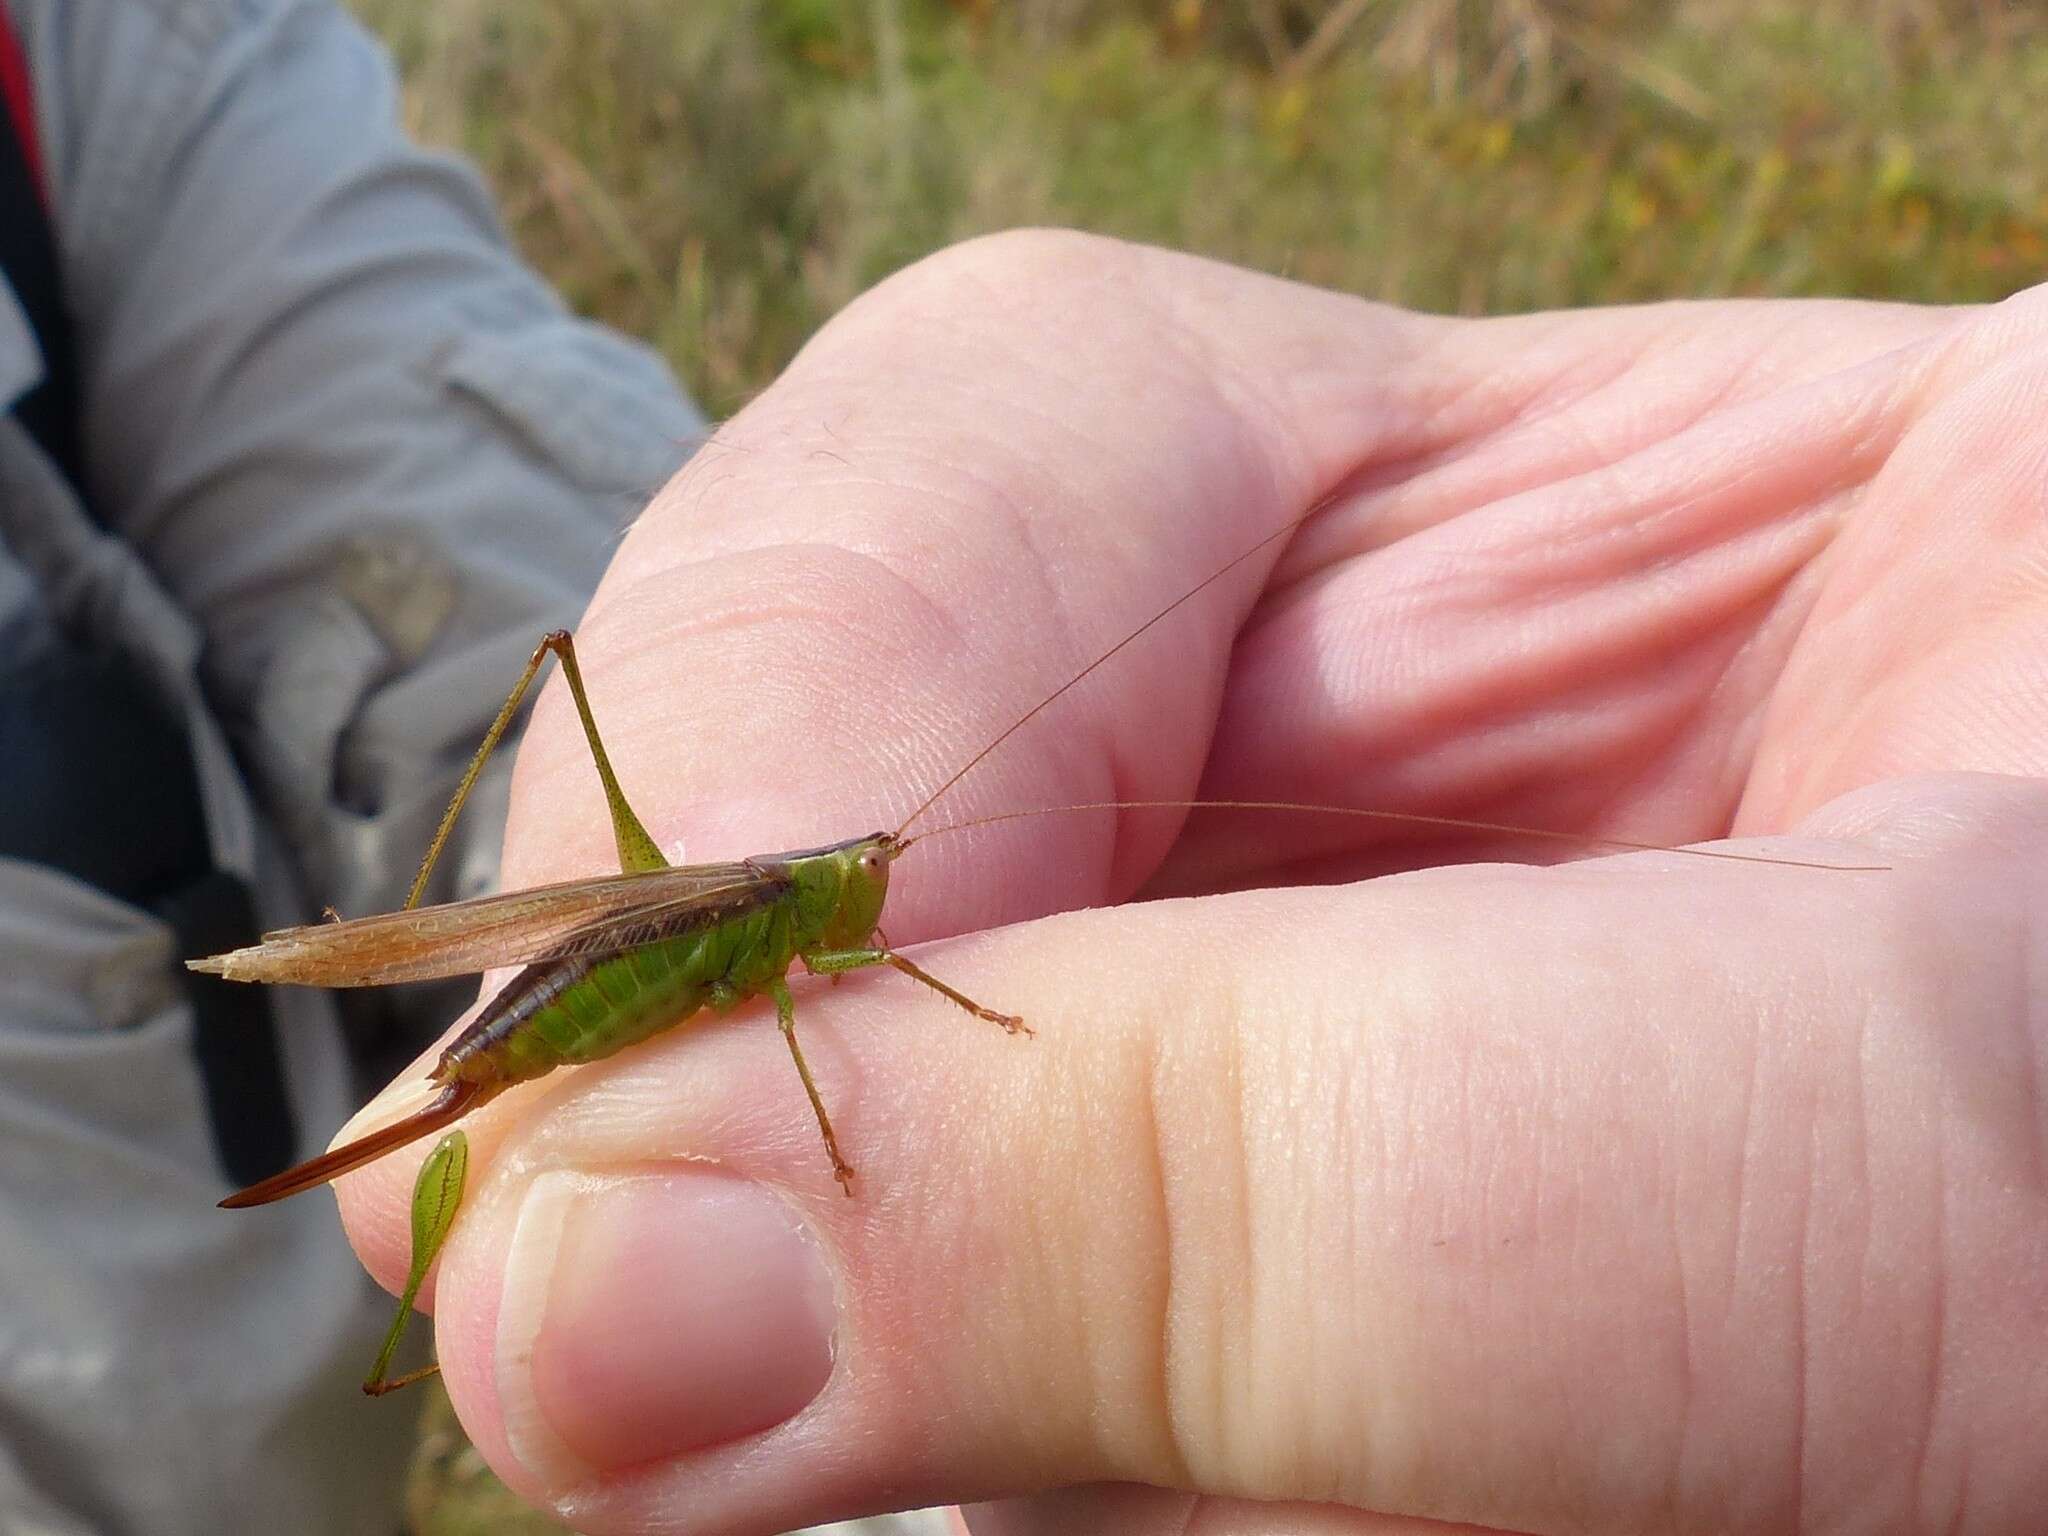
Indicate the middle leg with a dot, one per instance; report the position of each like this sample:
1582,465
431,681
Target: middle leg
785,1017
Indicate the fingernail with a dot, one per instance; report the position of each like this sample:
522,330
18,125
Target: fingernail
646,1317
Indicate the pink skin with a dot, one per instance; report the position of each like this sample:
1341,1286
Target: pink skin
1650,1194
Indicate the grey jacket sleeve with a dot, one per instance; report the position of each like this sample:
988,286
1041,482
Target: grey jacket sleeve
346,428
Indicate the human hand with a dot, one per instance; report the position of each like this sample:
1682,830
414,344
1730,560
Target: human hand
1649,1193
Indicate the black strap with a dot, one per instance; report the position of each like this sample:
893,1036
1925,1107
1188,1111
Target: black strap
96,779
234,1033
28,258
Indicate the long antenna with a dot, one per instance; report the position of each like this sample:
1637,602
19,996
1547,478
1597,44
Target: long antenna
1408,818
1071,683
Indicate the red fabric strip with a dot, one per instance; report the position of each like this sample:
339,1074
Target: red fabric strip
21,103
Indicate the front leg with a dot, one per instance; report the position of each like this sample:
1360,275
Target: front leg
834,962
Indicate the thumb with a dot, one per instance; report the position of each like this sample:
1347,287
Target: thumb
1638,1194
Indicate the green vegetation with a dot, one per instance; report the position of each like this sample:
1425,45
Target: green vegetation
451,1491
721,175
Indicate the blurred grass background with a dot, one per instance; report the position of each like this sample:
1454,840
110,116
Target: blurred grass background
719,176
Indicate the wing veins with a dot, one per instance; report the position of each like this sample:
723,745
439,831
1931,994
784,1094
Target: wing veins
466,937
658,920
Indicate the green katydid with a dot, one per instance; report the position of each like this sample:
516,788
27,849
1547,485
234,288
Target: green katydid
611,961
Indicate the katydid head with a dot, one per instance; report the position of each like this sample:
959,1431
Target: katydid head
840,890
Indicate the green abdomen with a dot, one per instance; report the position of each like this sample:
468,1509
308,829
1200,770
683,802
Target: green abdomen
582,1009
